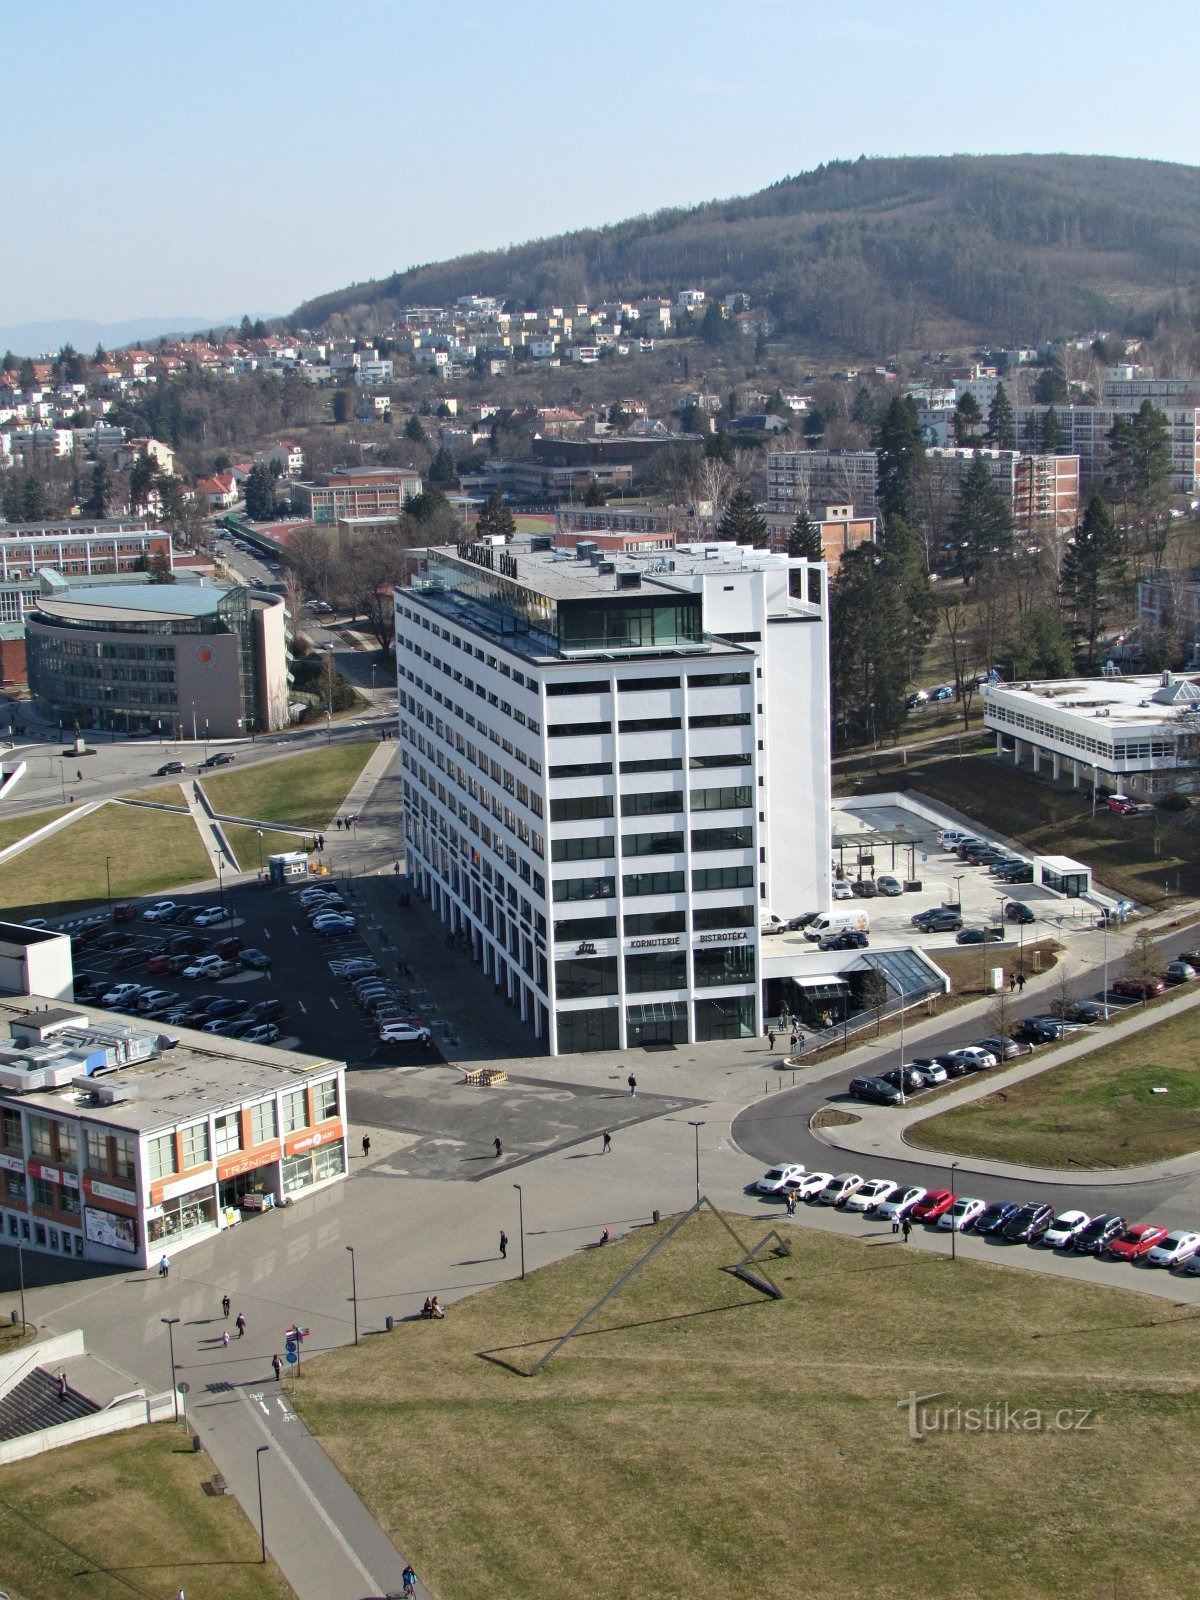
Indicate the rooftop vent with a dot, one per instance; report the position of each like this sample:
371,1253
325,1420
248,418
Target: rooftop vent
541,541
606,568
629,580
583,550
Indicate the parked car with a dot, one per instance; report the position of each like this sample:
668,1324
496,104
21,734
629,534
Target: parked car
1135,1241
873,1193
1179,972
961,1214
874,1090
85,988
944,921
261,1033
1029,1224
914,1080
933,1204
213,966
159,911
1122,806
848,939
258,960
1004,1046
210,914
839,1188
795,924
808,1185
992,1219
973,1057
979,936
169,768
842,890
897,1206
774,1178
1018,911
124,912
269,1010
228,947
930,1068
1039,1030
156,999
1065,1229
336,928
864,888
122,996
225,1005
223,758
1139,988
187,944
130,955
889,885
1084,1012
403,1033
916,701
1100,1231
1178,1246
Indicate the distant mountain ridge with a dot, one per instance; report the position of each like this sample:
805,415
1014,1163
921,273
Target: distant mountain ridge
44,338
876,255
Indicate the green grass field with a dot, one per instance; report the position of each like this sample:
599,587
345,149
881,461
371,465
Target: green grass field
16,828
146,851
126,1515
704,1440
304,790
1097,1111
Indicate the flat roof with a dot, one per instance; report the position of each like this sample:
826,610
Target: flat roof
154,602
204,1072
1133,701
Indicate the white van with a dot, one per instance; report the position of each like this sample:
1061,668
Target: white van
951,838
852,918
768,922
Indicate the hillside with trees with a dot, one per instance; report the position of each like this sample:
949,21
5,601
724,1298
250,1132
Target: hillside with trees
877,256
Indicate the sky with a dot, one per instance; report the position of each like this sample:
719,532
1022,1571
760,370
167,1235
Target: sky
202,160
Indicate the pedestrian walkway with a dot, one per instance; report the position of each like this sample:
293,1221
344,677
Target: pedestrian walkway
212,835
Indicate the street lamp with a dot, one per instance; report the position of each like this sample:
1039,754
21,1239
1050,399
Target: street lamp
697,1126
221,881
953,1219
170,1326
521,1224
21,1281
108,882
262,1527
353,1288
260,852
958,878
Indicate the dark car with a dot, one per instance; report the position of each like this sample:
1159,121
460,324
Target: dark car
1139,988
114,939
1029,1224
226,1006
848,939
992,1219
1016,874
864,888
229,947
1100,1231
1037,1031
89,988
914,1079
186,944
796,923
124,913
1018,911
82,937
1085,1011
1004,1046
979,936
874,1090
269,1010
223,758
169,767
946,921
259,960
197,1006
131,956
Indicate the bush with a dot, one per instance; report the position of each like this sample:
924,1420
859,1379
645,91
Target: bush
1174,802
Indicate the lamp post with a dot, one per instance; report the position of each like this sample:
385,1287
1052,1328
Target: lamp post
353,1288
521,1224
953,1219
260,852
62,778
221,881
697,1126
958,878
195,735
170,1326
108,882
262,1527
328,692
892,981
21,1281
206,738
872,724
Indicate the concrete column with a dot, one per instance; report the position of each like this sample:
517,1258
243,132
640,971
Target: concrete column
1055,764
1016,752
999,744
1074,774
1036,758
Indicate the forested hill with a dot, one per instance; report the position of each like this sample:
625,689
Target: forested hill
876,255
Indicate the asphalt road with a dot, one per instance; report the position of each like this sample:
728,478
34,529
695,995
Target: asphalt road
777,1129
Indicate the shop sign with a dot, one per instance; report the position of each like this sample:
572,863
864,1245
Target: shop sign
234,1166
171,1191
107,1229
11,1164
645,944
106,1191
39,1169
314,1137
722,938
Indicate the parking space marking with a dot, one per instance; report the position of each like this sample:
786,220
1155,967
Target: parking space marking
333,1003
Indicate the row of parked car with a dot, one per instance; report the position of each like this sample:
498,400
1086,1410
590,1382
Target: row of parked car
327,913
1108,1235
388,1007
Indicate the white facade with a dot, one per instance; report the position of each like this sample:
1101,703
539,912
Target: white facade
610,775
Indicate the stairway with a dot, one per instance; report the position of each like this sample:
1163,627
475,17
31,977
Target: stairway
33,1404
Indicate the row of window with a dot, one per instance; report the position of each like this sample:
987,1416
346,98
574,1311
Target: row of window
602,846
162,1156
652,803
603,769
697,680
577,978
634,884
717,719
651,924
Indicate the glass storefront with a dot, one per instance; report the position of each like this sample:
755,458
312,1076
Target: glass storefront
589,1030
729,1018
184,1215
314,1166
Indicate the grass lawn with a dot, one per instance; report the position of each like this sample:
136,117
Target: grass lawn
1056,821
1097,1111
164,794
245,844
16,828
126,1515
703,1440
146,851
303,790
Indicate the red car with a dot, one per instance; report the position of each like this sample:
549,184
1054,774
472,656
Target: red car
160,963
1135,1241
1121,806
124,913
935,1203
1139,988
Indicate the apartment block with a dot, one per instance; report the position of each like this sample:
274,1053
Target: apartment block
357,492
1085,431
1041,491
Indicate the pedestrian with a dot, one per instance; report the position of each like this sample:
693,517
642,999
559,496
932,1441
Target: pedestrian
770,1038
366,1144
606,1236
503,1245
78,775
499,1146
791,1204
277,1367
607,1145
337,822
63,1388
895,1225
1020,983
396,868
225,1338
409,1579
164,1267
794,1038
632,1082
905,1229
1012,982
239,1323
225,1304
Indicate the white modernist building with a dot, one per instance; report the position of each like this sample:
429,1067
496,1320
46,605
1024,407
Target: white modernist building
613,769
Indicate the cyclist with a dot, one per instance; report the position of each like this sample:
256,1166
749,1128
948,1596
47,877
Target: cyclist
410,1581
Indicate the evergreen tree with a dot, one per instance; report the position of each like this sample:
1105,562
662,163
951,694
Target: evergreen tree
804,538
343,405
981,523
1051,385
96,504
1092,567
1140,458
141,481
1050,433
901,448
26,375
967,418
245,329
594,494
713,328
1040,648
907,575
496,518
260,494
863,409
1031,433
414,431
442,469
10,503
33,501
99,355
1001,431
742,521
867,646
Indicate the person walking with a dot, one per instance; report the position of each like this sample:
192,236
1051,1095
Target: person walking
409,1579
632,1082
239,1323
607,1144
1020,983
499,1143
1012,982
503,1245
770,1038
366,1143
905,1229
63,1388
164,1268
791,1204
225,1304
225,1338
277,1367
793,1040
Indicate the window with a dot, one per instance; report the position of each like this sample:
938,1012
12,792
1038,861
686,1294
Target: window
227,1133
10,1130
295,1110
584,769
629,685
68,1143
657,969
262,1122
650,725
582,849
651,844
584,686
586,928
45,1193
96,1144
648,923
585,888
597,1029
658,764
657,802
722,838
160,1156
575,979
723,878
716,680
721,719
40,1137
638,883
195,1145
731,758
722,799
723,917
125,1156
325,1100
581,808
575,730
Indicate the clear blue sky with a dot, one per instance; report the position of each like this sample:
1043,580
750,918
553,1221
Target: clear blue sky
165,159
